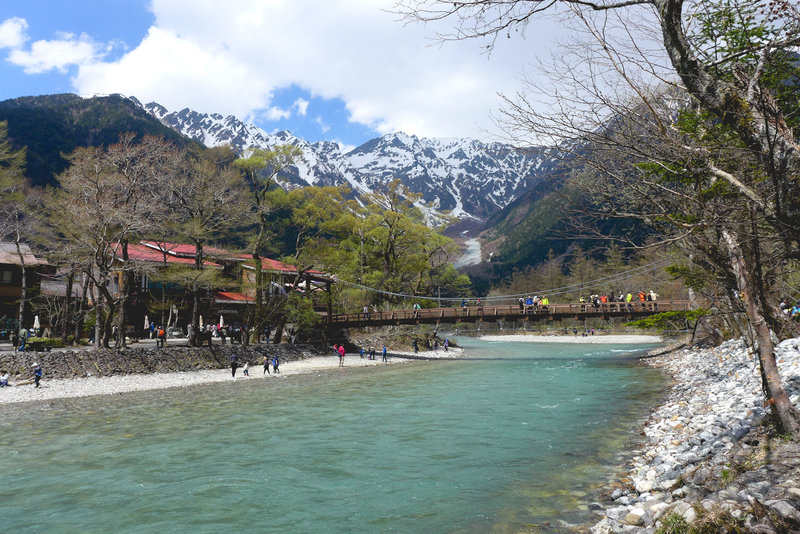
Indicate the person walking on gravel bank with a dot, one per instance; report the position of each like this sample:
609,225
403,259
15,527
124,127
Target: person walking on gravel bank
266,365
37,374
234,364
341,355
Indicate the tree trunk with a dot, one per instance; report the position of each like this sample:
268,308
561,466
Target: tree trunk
67,305
259,303
782,409
23,284
125,293
198,264
108,319
79,311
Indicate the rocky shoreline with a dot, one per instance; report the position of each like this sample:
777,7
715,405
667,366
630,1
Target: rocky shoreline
708,458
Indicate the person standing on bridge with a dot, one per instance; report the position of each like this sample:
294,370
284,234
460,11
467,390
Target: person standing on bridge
653,297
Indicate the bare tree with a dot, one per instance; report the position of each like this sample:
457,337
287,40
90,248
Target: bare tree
97,212
701,131
203,201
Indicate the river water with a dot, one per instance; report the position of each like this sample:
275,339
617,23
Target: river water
518,437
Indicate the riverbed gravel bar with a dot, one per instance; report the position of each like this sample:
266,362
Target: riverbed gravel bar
707,454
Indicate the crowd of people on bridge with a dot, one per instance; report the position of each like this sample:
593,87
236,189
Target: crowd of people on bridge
629,299
533,304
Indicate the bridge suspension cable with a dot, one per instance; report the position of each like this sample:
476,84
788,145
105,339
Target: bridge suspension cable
553,291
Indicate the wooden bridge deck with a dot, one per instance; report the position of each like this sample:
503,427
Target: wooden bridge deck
471,314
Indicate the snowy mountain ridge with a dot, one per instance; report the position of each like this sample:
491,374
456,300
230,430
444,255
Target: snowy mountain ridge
463,178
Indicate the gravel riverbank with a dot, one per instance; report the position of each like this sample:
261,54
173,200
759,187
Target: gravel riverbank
707,458
127,382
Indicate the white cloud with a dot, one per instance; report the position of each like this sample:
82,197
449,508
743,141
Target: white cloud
179,72
389,75
301,105
275,113
12,32
69,50
322,126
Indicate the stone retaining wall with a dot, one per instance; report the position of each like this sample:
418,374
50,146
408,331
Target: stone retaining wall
132,359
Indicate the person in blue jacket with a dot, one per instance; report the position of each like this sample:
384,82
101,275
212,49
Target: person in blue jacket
37,374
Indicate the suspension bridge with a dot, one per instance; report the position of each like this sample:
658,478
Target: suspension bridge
480,313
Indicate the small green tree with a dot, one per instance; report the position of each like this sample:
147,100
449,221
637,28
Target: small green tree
260,170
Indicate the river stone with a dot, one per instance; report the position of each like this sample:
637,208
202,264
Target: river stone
616,512
635,517
690,515
794,493
783,508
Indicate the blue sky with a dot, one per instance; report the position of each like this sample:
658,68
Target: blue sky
344,71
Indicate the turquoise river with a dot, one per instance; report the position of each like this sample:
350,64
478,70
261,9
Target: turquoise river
515,437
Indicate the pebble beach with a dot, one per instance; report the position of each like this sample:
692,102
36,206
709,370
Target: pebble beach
123,383
706,454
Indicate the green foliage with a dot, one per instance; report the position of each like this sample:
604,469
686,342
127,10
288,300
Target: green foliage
300,311
47,342
692,276
385,244
727,475
673,524
669,320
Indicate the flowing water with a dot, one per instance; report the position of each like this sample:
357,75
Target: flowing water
512,439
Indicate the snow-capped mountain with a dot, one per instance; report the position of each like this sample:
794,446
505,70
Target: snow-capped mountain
466,178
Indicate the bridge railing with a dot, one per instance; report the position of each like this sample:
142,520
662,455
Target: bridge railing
512,311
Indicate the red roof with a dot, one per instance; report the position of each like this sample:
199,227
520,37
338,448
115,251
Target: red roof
184,253
184,249
150,254
275,265
230,296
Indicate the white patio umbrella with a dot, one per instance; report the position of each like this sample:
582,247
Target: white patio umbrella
201,321
146,322
221,322
36,324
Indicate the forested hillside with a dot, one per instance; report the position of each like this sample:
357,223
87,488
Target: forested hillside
52,126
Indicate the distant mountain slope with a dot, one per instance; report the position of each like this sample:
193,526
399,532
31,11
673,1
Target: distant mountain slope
468,179
52,125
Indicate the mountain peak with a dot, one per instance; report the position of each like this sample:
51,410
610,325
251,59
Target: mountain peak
459,177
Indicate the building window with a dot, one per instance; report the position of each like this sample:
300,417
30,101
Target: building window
6,277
